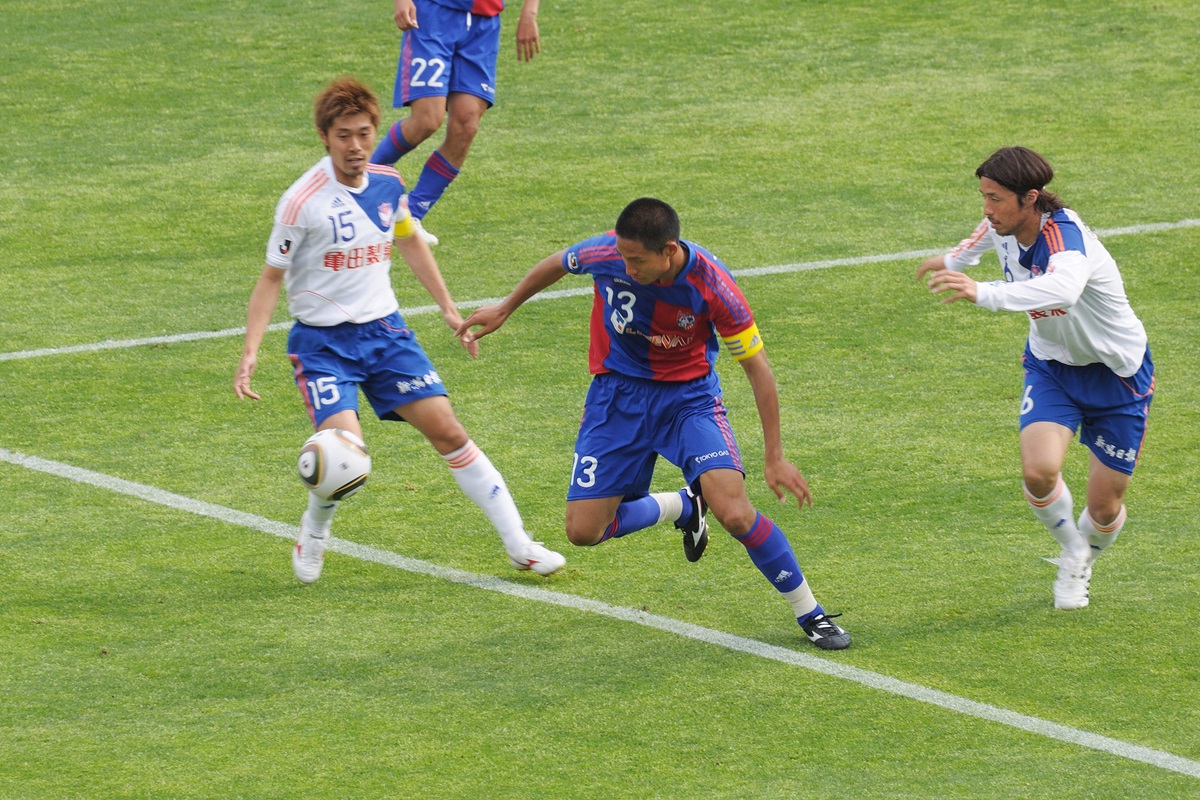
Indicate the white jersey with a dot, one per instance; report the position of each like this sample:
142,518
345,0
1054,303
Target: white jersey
1069,285
335,243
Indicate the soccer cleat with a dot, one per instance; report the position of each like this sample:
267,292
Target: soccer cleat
695,529
1073,582
826,634
308,556
539,559
425,235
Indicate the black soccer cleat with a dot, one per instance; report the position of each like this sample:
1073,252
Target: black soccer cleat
824,633
695,529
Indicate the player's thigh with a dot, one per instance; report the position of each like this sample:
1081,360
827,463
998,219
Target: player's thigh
427,55
1105,490
398,370
346,420
1046,397
1043,449
474,68
697,436
1116,411
613,453
327,379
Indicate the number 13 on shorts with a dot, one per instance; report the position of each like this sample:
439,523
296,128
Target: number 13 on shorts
583,471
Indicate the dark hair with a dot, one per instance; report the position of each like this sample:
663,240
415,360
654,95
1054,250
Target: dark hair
652,223
1019,170
345,95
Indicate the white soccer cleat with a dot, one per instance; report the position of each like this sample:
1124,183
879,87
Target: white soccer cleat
308,556
1072,585
425,235
539,559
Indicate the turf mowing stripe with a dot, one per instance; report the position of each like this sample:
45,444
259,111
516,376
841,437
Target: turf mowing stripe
803,266
824,666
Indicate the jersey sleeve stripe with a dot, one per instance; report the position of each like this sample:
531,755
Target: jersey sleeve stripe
717,281
1054,237
383,169
292,211
966,244
590,255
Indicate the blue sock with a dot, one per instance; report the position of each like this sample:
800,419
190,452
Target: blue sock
436,175
770,550
633,515
391,146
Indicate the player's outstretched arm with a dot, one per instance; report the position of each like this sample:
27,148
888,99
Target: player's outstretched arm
420,260
782,475
529,42
258,316
485,320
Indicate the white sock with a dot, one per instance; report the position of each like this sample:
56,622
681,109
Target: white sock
1099,537
801,599
482,482
1056,512
320,513
670,506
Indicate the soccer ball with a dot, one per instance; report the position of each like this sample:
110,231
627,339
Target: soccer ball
334,464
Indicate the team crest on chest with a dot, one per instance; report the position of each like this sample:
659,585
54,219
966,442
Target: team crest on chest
385,214
685,320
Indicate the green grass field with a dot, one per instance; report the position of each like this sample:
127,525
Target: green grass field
149,649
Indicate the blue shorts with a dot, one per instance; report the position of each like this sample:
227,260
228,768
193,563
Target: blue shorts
629,422
1109,411
452,51
381,357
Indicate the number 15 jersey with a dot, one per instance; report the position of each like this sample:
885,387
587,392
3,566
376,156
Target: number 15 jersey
335,244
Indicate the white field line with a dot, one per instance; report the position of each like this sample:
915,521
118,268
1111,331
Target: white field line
803,266
824,666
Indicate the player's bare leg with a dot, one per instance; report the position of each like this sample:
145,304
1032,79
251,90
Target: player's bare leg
480,481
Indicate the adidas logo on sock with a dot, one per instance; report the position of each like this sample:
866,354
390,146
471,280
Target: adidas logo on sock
782,576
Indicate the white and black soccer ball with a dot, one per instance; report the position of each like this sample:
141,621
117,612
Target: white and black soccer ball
334,464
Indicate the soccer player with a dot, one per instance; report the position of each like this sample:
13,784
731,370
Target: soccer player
1087,362
447,67
332,245
662,307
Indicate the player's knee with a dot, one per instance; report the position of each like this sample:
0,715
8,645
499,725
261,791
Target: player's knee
460,132
583,535
1104,512
1039,482
422,124
738,520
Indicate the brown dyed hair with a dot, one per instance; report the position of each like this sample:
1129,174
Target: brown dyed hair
345,95
1019,170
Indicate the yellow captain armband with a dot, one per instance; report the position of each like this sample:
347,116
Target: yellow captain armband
404,224
745,344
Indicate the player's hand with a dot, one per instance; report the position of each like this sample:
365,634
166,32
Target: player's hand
241,380
962,286
455,321
486,319
529,43
405,15
930,264
783,478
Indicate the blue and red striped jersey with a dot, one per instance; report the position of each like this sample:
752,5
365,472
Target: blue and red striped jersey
662,332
